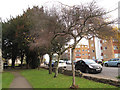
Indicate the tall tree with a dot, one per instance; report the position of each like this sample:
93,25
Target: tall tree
45,26
84,21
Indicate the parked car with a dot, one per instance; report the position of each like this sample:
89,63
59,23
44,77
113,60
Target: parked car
60,64
88,66
53,61
69,62
113,62
99,61
5,65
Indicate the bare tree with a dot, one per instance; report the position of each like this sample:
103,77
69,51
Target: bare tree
76,22
84,21
44,28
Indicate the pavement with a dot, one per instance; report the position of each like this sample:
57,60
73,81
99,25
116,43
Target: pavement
19,81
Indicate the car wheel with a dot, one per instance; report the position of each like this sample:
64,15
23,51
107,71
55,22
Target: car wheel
106,64
118,64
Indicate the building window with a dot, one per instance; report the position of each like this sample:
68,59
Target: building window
93,57
82,54
115,40
85,54
117,55
105,48
115,48
78,54
101,54
77,50
92,45
101,48
101,57
83,50
105,56
103,41
86,49
93,50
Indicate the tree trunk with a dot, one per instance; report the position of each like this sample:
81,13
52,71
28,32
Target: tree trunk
56,67
13,61
41,58
22,56
27,61
73,69
50,64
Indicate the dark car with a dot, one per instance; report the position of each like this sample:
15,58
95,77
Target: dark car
88,66
5,65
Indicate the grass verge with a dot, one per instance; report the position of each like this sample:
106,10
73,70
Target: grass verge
41,79
118,77
7,78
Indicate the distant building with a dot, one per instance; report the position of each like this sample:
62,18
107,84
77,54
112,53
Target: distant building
97,49
110,49
81,51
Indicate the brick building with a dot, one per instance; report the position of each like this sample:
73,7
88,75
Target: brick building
110,49
97,49
81,51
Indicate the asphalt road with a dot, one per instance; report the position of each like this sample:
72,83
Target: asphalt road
107,72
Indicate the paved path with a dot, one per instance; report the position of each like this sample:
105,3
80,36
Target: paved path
19,81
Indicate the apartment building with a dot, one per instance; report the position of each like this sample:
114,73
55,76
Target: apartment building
92,48
97,49
110,49
80,52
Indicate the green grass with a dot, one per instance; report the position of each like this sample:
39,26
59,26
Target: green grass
41,79
118,77
7,78
104,61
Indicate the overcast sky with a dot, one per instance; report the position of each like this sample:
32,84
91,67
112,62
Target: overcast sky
15,7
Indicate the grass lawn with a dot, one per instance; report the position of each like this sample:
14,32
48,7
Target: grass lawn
7,78
41,79
118,77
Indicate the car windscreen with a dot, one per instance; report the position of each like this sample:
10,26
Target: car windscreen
61,62
89,62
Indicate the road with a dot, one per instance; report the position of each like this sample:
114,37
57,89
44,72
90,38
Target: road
107,72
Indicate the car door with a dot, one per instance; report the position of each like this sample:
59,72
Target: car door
110,62
115,61
83,66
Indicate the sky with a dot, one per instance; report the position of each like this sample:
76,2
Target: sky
15,7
